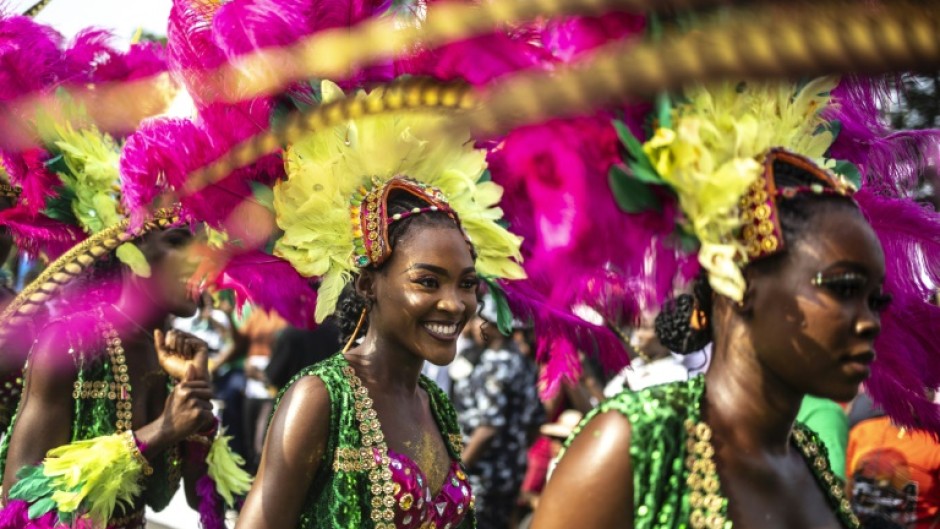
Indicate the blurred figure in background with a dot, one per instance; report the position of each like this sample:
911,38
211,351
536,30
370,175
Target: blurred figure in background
209,324
498,411
295,349
576,398
260,330
651,363
894,474
555,433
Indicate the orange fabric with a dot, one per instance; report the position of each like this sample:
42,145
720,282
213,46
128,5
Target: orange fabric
894,472
261,327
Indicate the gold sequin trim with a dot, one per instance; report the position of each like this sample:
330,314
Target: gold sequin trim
456,442
708,505
373,442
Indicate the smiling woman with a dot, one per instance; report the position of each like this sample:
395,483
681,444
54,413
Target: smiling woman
362,439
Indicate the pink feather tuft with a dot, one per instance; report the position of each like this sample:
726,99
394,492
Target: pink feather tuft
162,153
561,335
558,198
271,283
191,51
15,515
479,60
908,358
243,26
159,155
211,509
144,59
28,170
30,57
890,162
37,233
568,38
93,60
88,54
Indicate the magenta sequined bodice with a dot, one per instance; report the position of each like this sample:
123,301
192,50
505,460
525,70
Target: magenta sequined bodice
416,506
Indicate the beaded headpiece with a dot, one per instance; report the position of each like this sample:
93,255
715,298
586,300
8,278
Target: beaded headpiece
370,218
9,191
722,153
760,220
716,153
333,205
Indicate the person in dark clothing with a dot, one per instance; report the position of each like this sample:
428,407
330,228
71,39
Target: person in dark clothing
295,349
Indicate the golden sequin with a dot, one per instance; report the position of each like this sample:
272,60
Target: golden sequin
705,500
380,475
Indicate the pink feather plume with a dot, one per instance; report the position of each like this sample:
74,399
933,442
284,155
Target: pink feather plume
271,283
37,233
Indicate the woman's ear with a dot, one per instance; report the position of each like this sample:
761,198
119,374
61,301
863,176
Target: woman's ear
365,286
745,307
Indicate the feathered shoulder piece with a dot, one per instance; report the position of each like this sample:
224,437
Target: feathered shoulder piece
331,173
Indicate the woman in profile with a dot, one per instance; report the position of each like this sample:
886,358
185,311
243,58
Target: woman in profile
791,297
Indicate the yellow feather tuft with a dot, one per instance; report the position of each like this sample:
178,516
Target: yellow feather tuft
92,477
326,168
226,469
710,157
92,160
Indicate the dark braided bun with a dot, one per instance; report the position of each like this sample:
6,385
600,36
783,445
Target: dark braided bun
348,311
674,322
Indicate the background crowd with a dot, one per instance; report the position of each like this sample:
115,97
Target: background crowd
512,433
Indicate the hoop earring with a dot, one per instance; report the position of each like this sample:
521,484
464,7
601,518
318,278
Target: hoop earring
352,339
699,319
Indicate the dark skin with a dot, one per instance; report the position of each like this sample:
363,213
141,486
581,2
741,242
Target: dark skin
429,280
788,338
160,420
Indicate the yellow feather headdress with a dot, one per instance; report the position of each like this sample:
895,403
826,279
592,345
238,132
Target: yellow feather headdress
712,152
326,170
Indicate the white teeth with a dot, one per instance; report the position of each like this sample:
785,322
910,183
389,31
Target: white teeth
437,328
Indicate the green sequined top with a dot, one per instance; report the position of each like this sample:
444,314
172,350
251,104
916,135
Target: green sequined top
347,490
95,414
675,485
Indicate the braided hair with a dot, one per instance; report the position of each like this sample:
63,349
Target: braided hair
676,325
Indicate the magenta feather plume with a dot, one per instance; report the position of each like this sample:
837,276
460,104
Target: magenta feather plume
15,515
243,26
561,336
160,156
27,169
479,60
191,51
908,357
891,162
89,53
92,59
37,233
211,509
558,198
144,59
30,56
272,284
567,38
